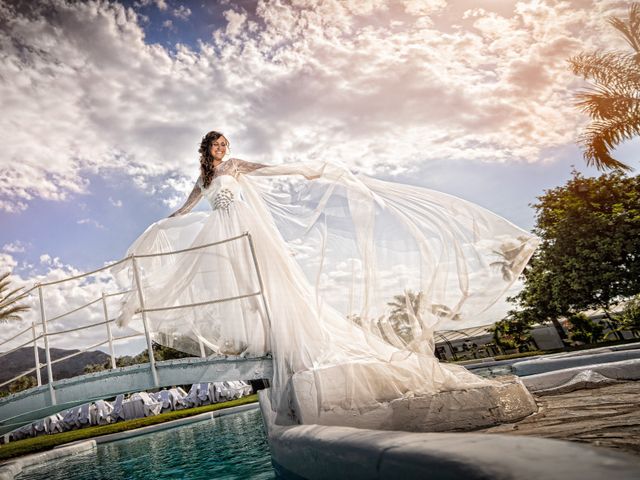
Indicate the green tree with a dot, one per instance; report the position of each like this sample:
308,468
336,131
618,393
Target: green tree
613,100
513,332
589,257
538,302
403,307
583,329
10,306
95,367
22,383
630,316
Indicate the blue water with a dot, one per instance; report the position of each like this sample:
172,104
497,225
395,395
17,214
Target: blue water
493,371
230,447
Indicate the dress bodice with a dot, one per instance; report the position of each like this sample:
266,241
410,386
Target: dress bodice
222,192
224,188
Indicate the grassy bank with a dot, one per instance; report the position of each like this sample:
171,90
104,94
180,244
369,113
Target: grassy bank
46,442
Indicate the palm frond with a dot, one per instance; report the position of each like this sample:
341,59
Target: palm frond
10,306
12,314
4,281
602,103
630,28
611,69
602,136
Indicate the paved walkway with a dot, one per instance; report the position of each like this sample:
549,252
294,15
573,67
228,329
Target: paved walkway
607,417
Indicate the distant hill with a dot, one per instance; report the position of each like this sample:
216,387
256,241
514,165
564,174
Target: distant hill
23,359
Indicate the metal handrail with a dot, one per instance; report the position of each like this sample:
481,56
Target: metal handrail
83,327
199,304
117,293
49,320
27,372
128,336
77,353
99,299
20,346
15,336
76,277
93,346
190,249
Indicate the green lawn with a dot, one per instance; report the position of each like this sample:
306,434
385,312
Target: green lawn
46,442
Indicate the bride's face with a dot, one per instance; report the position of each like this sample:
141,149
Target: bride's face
219,148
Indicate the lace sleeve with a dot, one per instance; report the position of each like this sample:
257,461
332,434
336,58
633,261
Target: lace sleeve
192,200
242,166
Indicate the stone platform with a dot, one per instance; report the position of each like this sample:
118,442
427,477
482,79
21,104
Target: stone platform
504,400
608,416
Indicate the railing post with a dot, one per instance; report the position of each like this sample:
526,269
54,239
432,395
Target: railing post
255,263
203,353
47,353
109,335
147,334
36,355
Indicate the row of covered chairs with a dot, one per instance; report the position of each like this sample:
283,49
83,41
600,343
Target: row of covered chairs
136,405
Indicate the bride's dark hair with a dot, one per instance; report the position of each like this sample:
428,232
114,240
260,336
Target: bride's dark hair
206,159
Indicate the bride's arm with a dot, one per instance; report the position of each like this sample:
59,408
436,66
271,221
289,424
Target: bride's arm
192,201
242,167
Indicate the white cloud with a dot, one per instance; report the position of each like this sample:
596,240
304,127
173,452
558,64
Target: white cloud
423,7
14,247
168,24
178,188
236,22
90,221
115,203
182,12
7,262
379,85
160,4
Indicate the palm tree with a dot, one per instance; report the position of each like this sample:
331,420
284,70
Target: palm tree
10,308
613,102
402,306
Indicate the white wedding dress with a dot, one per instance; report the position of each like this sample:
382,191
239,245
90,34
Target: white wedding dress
357,275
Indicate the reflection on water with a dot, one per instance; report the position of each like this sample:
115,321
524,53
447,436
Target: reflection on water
231,447
493,371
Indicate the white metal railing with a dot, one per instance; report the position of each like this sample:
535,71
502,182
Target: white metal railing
45,335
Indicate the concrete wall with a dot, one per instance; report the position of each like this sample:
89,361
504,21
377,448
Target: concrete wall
328,452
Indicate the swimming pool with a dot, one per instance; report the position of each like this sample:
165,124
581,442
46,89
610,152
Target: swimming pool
229,447
492,371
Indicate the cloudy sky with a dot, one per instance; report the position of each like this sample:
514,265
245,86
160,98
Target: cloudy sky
104,104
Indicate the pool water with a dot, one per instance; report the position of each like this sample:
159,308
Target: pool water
230,447
493,371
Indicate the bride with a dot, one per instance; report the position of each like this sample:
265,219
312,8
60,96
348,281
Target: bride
342,278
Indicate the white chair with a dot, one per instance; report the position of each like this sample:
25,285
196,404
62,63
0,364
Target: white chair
215,392
141,405
70,418
177,398
101,413
84,415
117,413
191,398
40,427
165,397
55,423
203,394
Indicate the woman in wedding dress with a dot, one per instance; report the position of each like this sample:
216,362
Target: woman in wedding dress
354,276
